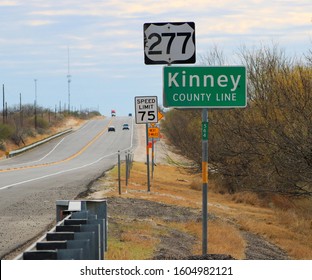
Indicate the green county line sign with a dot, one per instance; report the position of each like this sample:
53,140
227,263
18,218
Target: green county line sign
204,87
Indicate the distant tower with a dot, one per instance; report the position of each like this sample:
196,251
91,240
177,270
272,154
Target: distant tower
68,80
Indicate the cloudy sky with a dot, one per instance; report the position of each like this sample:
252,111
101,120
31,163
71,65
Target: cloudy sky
105,43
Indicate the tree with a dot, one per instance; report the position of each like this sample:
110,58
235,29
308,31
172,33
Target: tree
266,147
182,128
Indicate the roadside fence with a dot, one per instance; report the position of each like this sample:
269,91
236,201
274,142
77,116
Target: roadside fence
80,233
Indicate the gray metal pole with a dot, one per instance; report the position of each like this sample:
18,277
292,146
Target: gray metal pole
153,161
127,162
147,161
119,183
205,180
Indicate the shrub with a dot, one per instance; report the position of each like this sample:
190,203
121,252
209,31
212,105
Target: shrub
266,147
42,123
6,131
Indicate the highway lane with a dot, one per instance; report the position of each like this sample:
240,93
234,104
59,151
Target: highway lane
61,169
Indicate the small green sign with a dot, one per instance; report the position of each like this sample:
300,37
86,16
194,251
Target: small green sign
204,87
204,130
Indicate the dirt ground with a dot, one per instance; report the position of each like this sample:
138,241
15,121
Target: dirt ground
176,244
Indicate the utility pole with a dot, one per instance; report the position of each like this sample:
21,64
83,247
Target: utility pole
35,103
3,112
68,80
21,111
6,112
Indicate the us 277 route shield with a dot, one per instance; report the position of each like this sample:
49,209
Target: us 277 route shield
169,43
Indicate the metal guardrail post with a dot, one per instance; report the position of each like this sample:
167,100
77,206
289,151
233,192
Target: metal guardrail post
81,233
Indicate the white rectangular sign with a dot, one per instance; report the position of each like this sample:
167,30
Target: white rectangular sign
146,109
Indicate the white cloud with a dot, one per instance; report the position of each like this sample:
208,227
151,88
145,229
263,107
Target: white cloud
39,22
8,3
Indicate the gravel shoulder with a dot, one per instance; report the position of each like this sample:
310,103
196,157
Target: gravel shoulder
260,249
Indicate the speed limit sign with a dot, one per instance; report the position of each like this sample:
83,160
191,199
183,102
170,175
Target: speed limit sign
146,109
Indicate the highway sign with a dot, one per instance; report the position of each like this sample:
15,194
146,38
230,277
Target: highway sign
170,42
146,109
204,87
153,132
160,116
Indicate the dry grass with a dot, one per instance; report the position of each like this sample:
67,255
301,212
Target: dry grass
283,221
219,231
173,186
67,123
286,223
133,241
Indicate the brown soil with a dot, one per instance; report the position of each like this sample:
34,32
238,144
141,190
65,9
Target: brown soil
175,244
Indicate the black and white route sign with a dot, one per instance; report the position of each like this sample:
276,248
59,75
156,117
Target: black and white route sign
169,43
146,109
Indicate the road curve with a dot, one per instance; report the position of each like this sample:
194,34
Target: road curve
60,169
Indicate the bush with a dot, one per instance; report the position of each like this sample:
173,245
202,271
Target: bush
182,128
2,146
266,147
6,131
42,123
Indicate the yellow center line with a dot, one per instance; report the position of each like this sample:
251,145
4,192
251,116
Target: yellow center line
63,160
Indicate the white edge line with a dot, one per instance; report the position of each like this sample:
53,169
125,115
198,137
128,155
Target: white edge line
72,169
57,173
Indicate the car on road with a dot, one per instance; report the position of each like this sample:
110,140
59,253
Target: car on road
125,126
111,128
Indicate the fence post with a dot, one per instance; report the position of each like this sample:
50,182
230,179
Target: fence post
127,168
119,182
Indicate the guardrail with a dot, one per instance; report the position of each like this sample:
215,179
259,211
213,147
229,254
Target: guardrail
80,233
24,149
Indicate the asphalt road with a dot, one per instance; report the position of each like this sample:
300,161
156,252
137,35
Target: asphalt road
31,183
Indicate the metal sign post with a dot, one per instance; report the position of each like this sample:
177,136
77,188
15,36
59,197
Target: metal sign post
204,88
192,87
146,111
153,159
119,179
147,162
205,180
